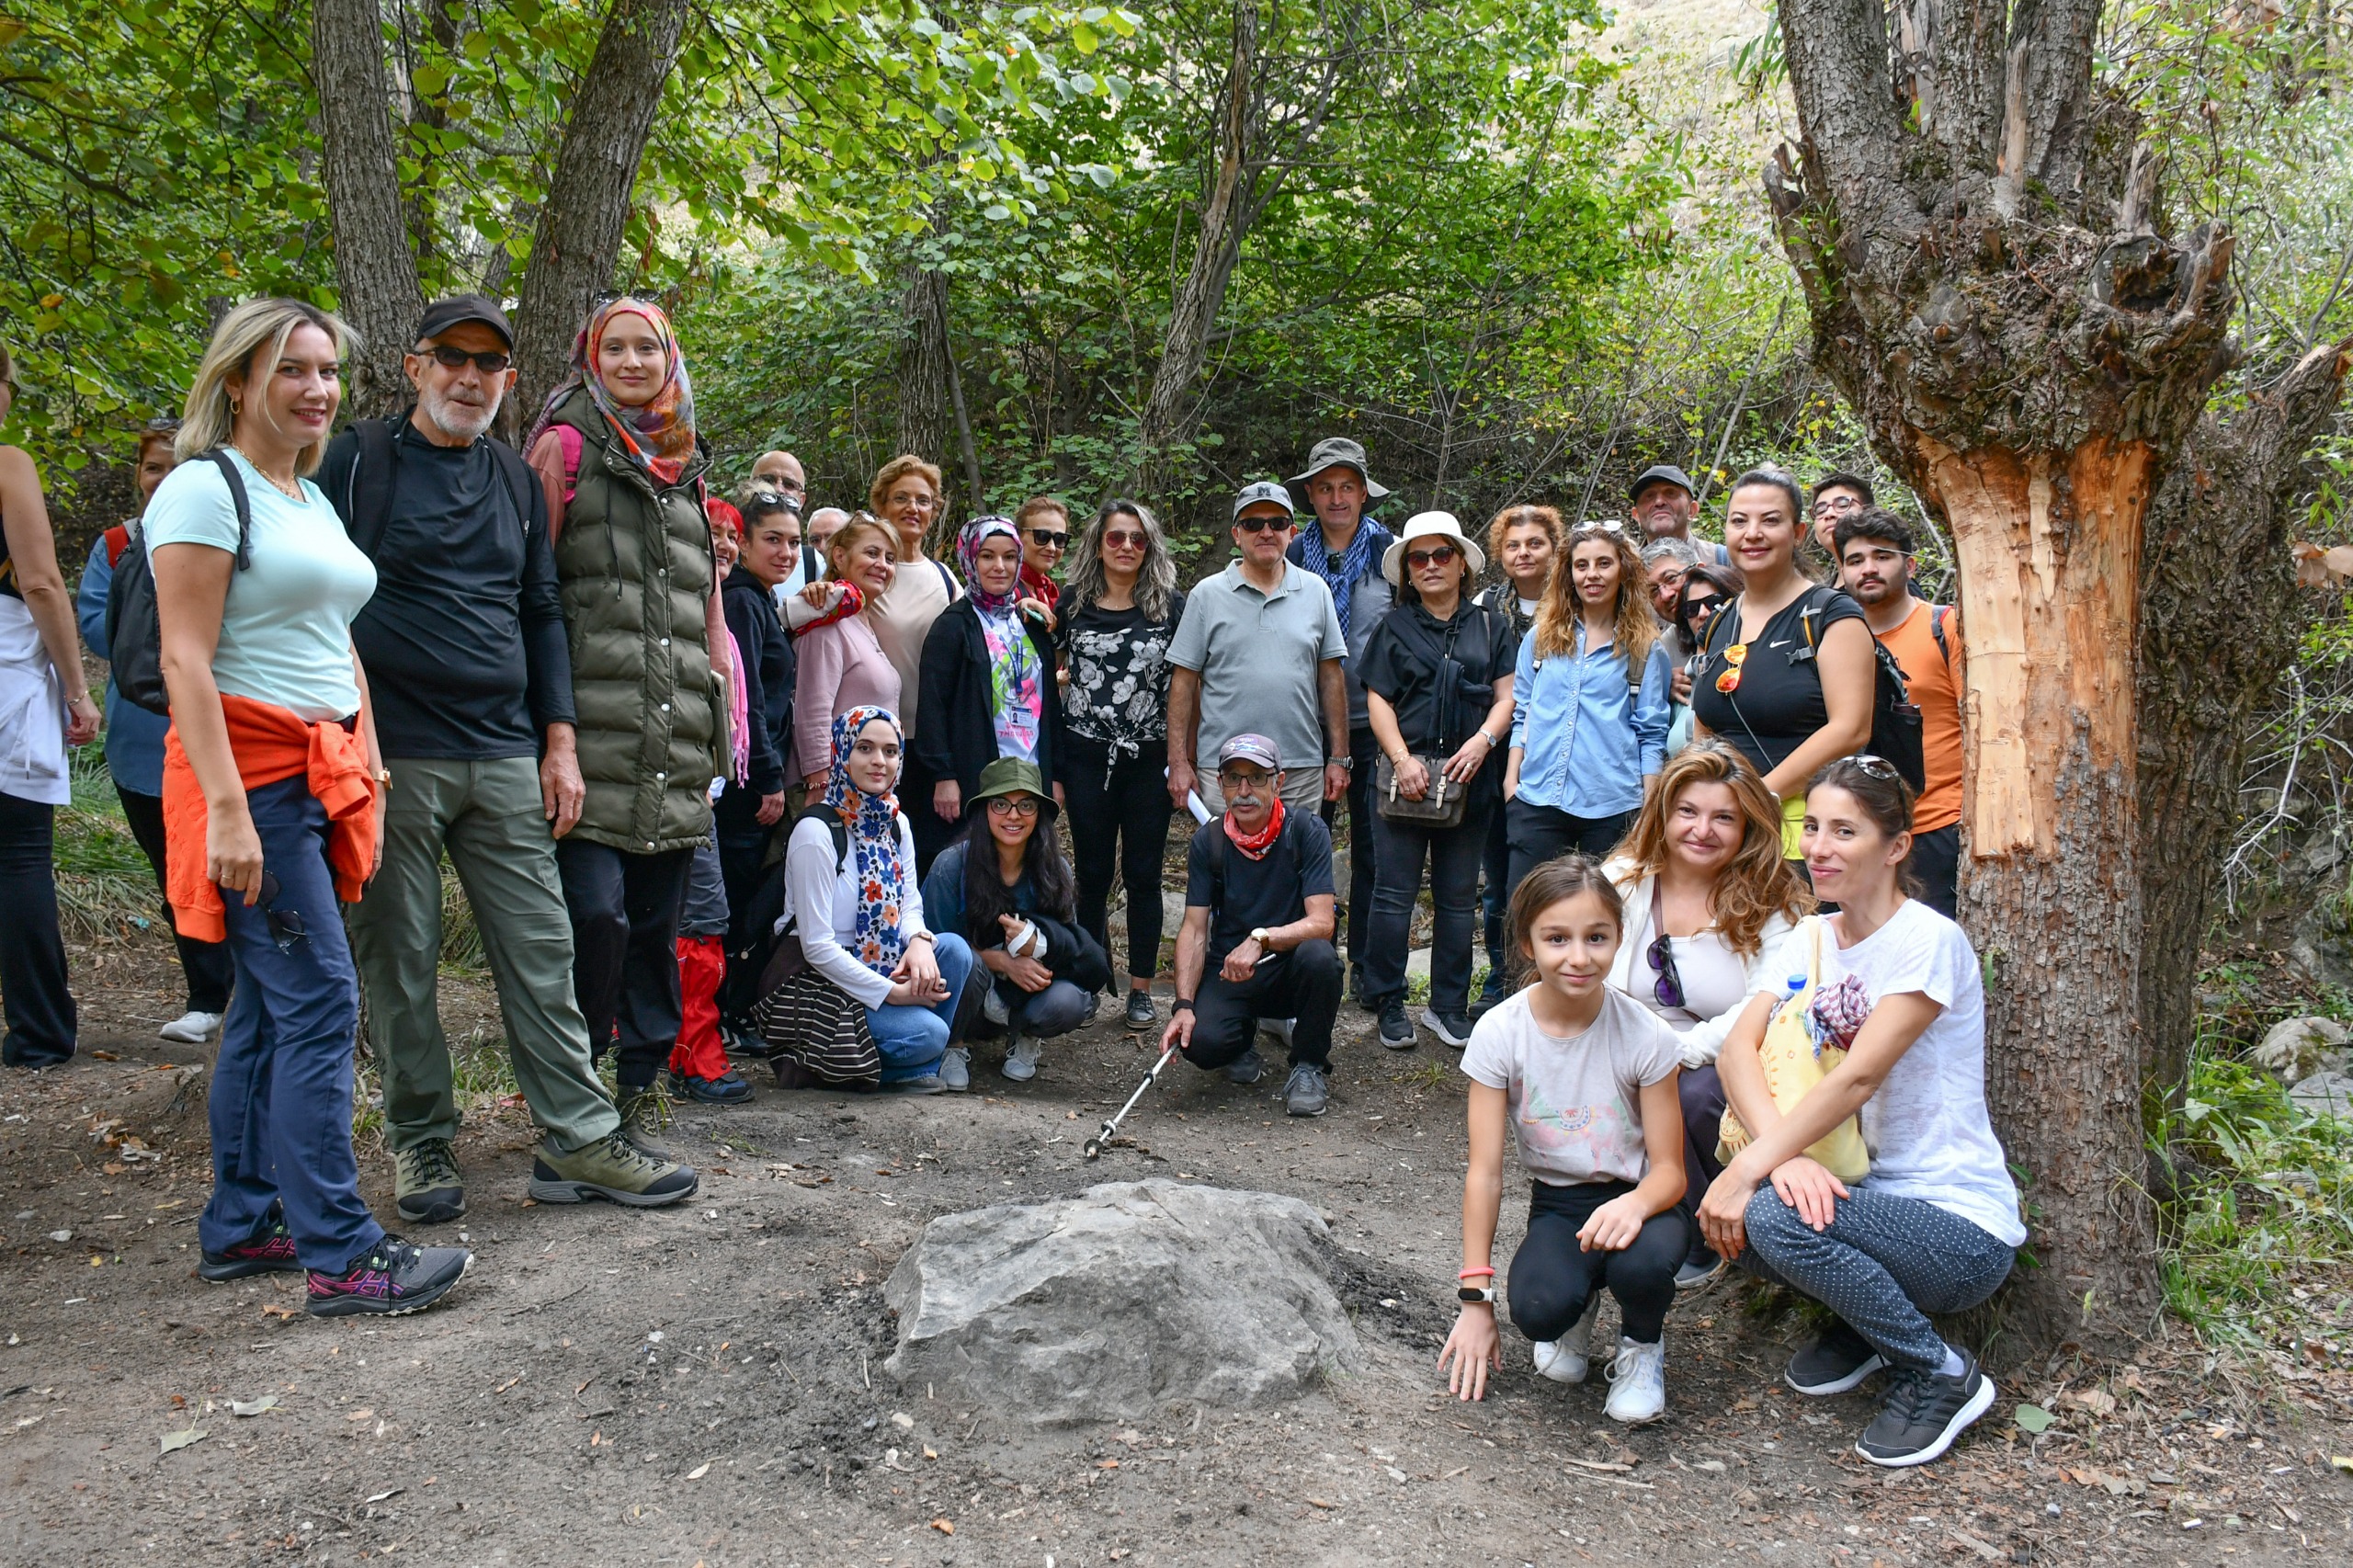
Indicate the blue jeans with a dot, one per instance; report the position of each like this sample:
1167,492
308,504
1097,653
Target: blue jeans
281,1090
911,1038
1400,849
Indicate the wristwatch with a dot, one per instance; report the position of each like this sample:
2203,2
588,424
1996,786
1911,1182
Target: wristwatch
1258,933
1345,764
1468,1293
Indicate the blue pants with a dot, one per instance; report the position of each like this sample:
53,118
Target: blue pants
912,1039
281,1089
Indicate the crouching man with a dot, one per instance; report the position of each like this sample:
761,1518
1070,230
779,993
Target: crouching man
1256,942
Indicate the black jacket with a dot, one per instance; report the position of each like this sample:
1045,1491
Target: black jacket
767,676
956,727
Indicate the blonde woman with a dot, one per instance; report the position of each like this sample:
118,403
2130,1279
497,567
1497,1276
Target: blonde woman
838,662
40,678
273,803
1590,709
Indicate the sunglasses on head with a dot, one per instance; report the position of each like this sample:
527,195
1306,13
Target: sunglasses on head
450,358
1260,524
1049,539
1879,767
1442,556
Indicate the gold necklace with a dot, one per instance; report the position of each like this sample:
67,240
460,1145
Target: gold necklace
291,489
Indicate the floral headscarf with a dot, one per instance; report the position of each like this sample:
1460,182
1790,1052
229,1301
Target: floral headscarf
1017,692
968,555
873,823
659,436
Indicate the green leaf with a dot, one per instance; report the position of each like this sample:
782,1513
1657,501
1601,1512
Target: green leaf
2032,1418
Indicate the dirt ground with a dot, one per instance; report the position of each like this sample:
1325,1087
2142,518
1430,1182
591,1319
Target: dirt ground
704,1385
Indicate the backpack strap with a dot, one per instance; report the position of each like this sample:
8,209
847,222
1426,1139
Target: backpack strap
117,540
519,479
1937,614
242,502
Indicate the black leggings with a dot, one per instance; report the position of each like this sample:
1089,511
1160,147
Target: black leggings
1119,817
207,965
1553,1279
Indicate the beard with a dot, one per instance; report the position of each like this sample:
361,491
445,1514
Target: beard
461,421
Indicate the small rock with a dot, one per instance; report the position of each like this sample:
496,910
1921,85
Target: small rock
2325,1093
2294,1049
61,1235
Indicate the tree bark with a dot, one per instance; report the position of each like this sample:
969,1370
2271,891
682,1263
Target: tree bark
578,240
924,396
375,269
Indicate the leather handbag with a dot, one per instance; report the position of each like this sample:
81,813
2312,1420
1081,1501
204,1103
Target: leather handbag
1440,805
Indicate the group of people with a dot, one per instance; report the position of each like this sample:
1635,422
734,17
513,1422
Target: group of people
742,779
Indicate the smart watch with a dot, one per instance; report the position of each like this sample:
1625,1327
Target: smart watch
1468,1293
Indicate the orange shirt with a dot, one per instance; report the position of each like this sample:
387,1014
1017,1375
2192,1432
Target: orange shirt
1933,675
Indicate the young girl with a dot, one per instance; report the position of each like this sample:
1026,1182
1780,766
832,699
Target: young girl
1935,1227
1585,1076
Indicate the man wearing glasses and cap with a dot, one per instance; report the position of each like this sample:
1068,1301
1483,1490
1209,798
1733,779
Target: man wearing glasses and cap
1346,547
1663,504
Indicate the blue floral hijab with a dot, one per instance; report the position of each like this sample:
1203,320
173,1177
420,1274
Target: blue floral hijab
873,823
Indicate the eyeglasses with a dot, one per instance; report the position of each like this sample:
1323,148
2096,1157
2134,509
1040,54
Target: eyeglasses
1013,805
450,358
1660,955
1734,656
1879,767
285,924
1260,524
1046,541
1235,779
1835,503
1442,556
1124,540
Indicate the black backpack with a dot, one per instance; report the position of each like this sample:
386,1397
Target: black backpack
134,638
1896,718
363,494
755,944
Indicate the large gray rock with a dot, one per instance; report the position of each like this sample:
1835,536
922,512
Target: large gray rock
2325,1093
2295,1049
1130,1297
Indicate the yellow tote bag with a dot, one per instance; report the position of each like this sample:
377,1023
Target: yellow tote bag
1794,1062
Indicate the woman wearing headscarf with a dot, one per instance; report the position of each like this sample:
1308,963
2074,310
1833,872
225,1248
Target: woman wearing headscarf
616,454
988,676
872,991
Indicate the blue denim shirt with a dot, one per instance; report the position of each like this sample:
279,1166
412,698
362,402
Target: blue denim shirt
1587,738
134,736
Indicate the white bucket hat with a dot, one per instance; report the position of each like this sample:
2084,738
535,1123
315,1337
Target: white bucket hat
1423,525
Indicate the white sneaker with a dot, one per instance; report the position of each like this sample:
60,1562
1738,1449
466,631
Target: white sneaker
1277,1030
1638,1382
1564,1359
992,1006
192,1028
956,1069
1021,1059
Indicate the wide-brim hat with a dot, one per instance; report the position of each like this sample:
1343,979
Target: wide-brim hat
1012,776
1426,524
1336,451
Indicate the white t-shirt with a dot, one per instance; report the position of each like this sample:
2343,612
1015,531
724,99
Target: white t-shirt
1928,1130
821,893
1576,1102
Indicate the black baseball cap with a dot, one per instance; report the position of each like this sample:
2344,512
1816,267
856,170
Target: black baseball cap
1656,473
442,314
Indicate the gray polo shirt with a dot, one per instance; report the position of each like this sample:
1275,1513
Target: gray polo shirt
1257,656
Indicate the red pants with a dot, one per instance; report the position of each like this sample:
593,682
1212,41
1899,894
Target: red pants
702,963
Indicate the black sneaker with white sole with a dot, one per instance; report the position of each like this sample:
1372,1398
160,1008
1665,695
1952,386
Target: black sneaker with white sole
390,1281
1838,1359
1397,1029
1922,1413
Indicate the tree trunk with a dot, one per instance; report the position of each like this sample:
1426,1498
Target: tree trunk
375,269
578,240
924,396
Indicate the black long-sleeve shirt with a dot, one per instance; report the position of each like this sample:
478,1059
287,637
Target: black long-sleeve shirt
769,676
464,643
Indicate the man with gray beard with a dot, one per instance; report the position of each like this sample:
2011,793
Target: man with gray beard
469,677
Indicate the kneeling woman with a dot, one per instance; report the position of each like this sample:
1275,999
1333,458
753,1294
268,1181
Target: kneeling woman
1586,1078
1935,1227
1006,887
859,915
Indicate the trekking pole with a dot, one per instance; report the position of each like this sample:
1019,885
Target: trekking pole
1096,1145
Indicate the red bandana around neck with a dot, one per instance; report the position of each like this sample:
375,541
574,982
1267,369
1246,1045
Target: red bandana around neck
1257,845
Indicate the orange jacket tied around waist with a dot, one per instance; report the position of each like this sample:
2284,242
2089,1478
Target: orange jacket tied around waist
271,743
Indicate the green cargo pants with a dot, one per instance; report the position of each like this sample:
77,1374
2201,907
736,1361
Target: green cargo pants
489,817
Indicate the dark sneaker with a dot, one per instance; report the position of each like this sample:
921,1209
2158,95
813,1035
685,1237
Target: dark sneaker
726,1089
1245,1068
1838,1359
1492,992
644,1113
742,1039
1396,1030
1451,1028
612,1168
1141,1015
1094,1009
1305,1093
272,1252
426,1185
394,1280
1357,990
1923,1413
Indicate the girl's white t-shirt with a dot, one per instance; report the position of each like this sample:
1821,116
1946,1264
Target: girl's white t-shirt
1928,1130
1575,1102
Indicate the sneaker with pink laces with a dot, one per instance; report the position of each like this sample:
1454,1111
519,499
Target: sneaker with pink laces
391,1279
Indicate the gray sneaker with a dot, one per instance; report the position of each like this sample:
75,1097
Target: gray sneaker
1305,1093
956,1069
1277,1030
1245,1068
613,1168
644,1113
1022,1058
427,1184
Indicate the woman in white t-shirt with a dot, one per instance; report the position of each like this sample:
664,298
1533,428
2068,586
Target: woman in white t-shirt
1709,903
1585,1080
1935,1226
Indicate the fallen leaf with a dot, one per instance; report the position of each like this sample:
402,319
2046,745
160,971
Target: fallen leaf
2032,1418
2342,1462
181,1439
272,1310
698,1472
944,1526
114,1167
104,1056
252,1406
1318,1502
1715,1467
903,1421
2097,1401
929,1452
361,1415
1108,1464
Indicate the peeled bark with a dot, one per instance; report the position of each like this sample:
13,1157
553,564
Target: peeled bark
375,268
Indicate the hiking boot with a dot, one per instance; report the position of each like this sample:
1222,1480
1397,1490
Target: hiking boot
956,1069
1451,1028
729,1088
394,1280
191,1027
1396,1032
1094,1009
644,1113
614,1168
1838,1359
1021,1059
426,1186
1140,1012
923,1083
1565,1359
1305,1093
1697,1270
1922,1413
1638,1382
271,1252
1245,1068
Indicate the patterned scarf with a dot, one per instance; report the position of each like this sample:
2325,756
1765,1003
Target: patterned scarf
1353,562
850,603
1256,845
659,436
968,556
1017,698
873,823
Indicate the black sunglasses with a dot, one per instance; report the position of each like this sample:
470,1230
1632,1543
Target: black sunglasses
1260,525
1050,540
285,924
1661,958
1877,767
1710,603
450,358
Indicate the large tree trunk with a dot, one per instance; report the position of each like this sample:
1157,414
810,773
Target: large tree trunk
578,241
924,398
375,270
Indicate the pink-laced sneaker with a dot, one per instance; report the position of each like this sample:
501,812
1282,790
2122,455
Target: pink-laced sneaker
391,1279
272,1252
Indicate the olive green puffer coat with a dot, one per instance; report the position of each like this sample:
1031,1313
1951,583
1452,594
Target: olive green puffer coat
636,569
